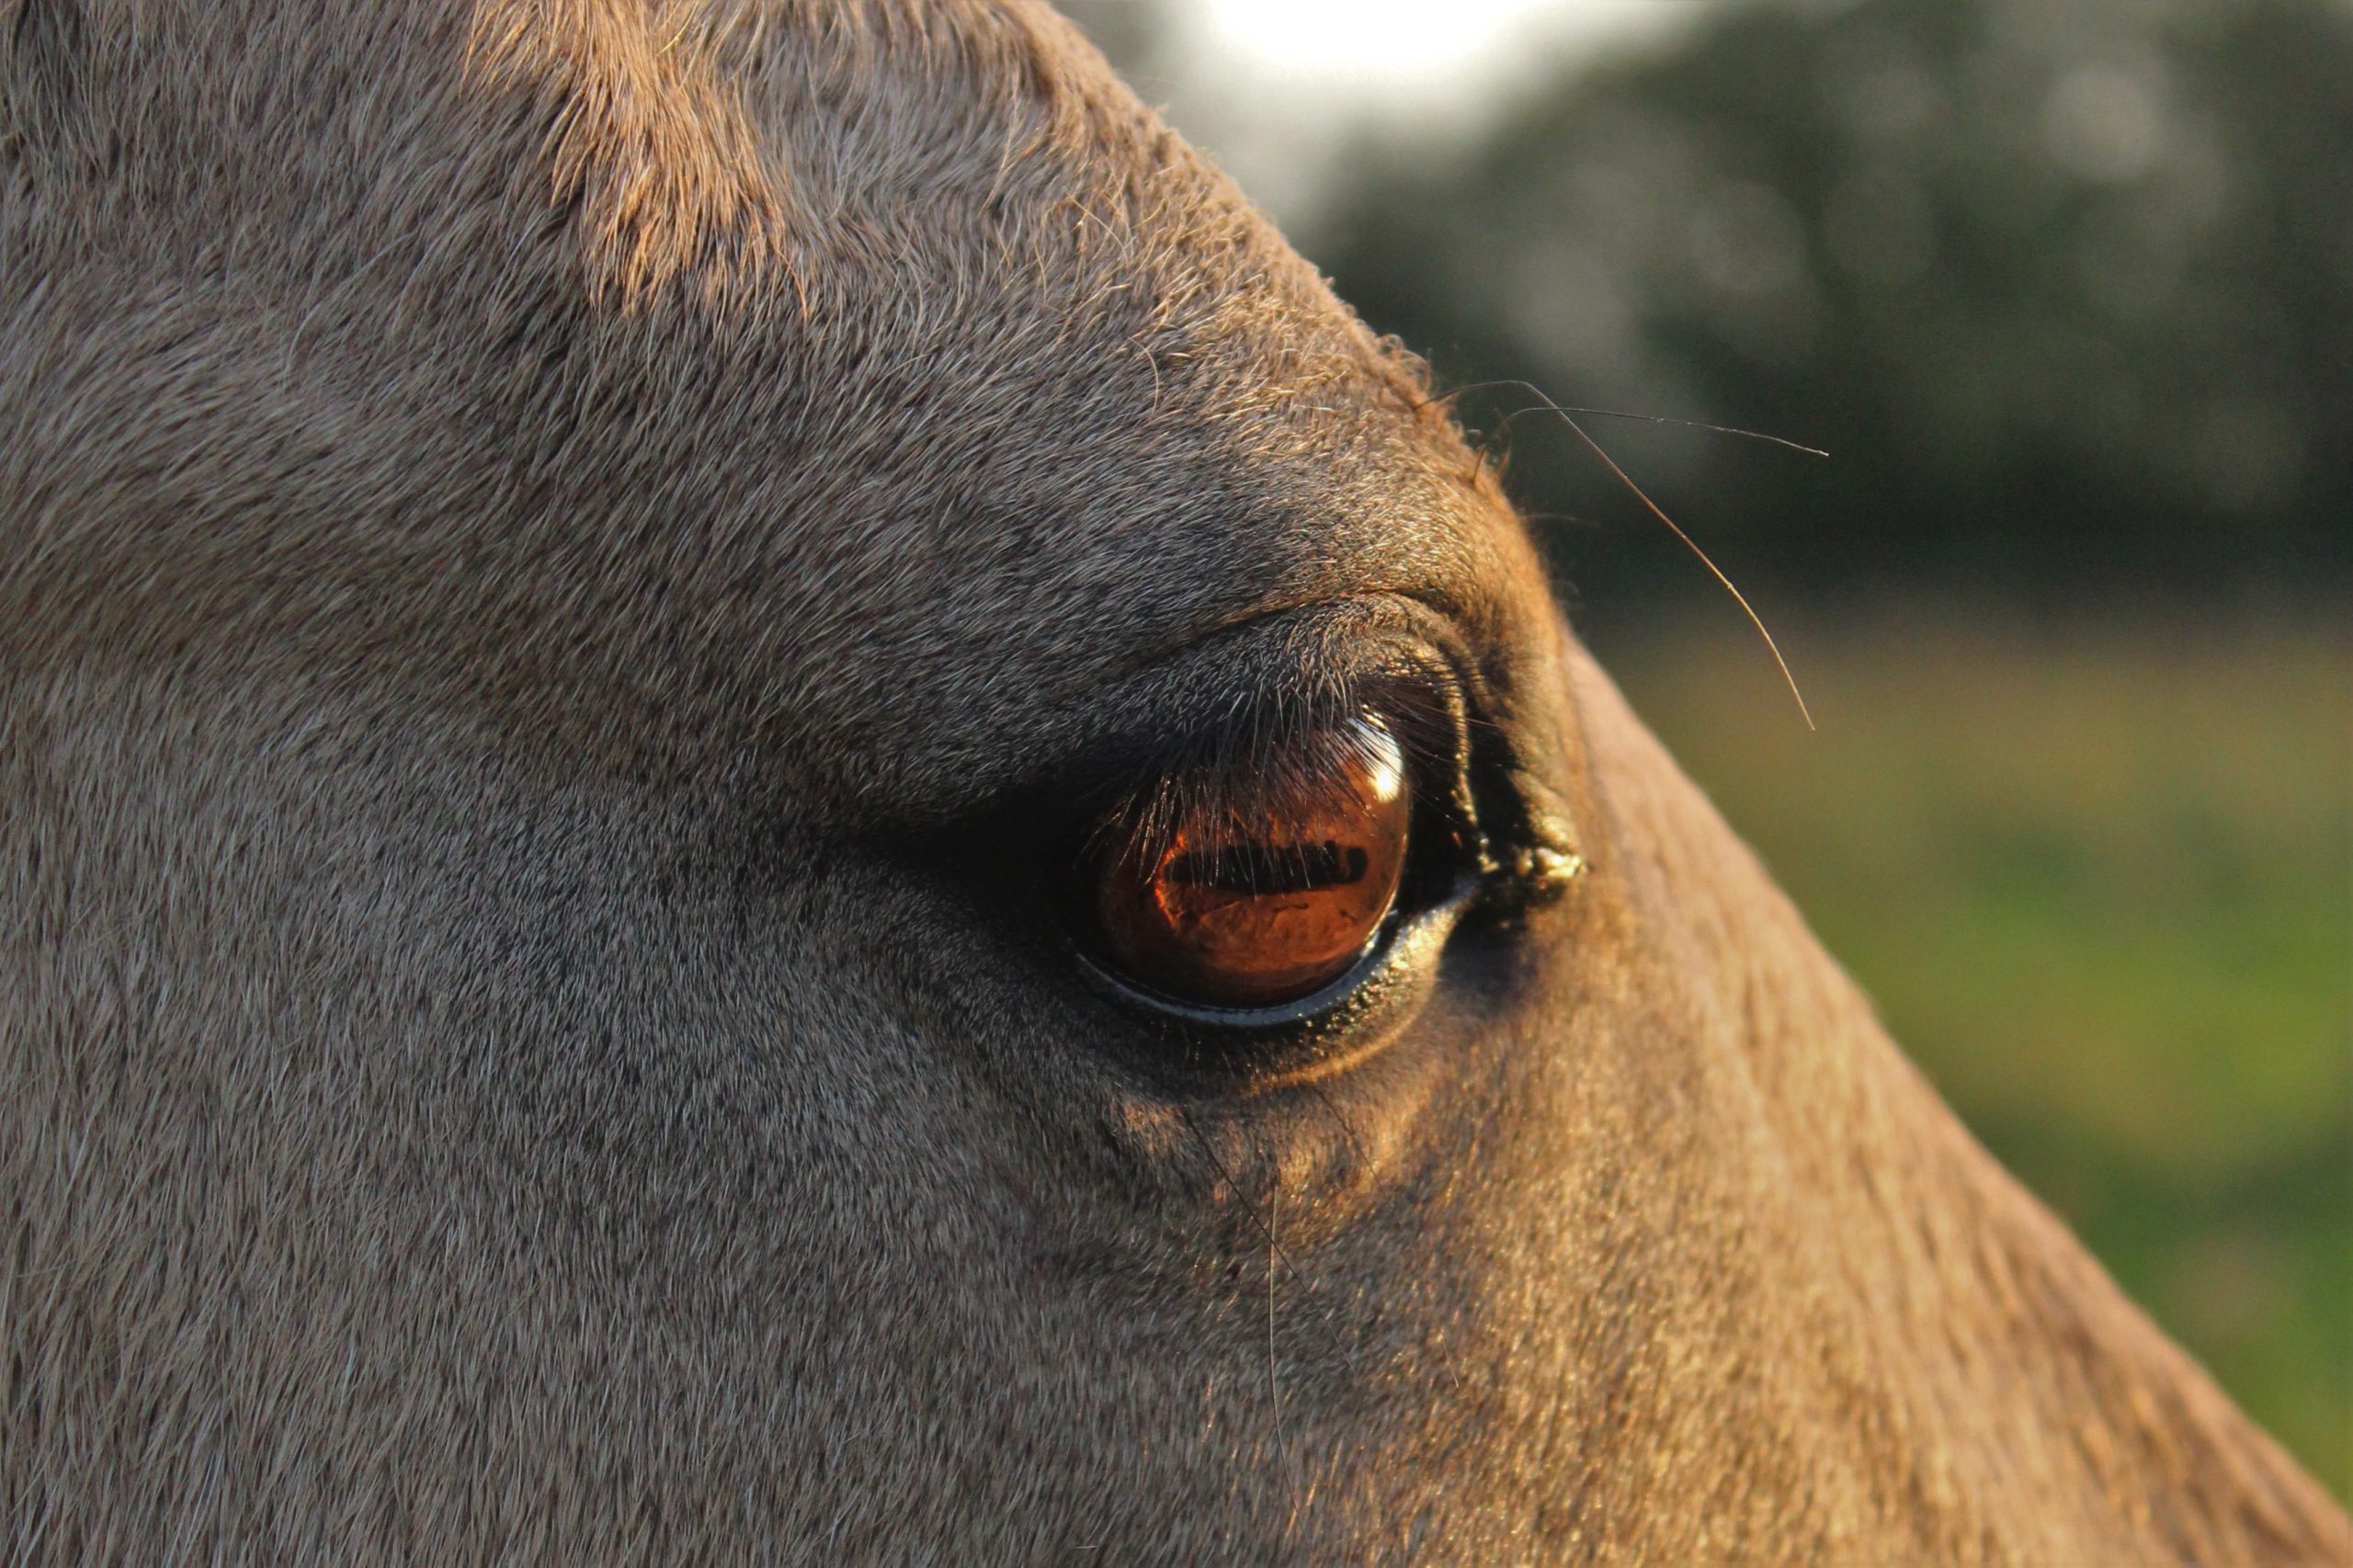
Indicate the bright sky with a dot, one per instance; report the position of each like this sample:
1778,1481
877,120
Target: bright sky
1272,87
1428,47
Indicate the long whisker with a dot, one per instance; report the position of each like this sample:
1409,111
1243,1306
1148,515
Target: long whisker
1258,1225
1274,1386
1566,409
1644,496
1274,1246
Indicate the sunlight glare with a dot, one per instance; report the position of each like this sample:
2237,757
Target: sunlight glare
1418,45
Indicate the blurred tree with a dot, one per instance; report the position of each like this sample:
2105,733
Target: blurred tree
2067,290
1130,33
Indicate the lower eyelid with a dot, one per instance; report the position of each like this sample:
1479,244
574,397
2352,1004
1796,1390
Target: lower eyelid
1223,1051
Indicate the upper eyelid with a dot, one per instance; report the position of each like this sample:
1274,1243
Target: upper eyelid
1265,719
1359,639
1093,740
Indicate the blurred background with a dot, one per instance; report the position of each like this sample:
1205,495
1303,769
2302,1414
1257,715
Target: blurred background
2066,291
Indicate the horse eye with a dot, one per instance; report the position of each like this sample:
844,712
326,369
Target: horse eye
1252,891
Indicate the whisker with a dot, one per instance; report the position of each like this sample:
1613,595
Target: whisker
1251,1213
1693,545
1274,1248
1566,409
1274,1386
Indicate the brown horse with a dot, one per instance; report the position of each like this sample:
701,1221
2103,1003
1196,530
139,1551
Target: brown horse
759,797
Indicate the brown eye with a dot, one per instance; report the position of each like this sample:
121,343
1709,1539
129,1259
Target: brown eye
1254,892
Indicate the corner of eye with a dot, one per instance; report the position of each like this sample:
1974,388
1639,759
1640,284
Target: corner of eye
1543,872
1543,858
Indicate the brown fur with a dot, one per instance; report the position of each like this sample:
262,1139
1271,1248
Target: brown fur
519,521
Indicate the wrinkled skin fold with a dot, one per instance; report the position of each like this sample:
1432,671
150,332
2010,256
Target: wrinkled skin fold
543,543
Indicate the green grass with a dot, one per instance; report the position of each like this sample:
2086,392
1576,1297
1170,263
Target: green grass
2100,883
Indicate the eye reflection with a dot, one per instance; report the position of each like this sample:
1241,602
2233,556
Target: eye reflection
1252,891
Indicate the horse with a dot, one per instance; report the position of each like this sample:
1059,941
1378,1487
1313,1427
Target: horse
762,799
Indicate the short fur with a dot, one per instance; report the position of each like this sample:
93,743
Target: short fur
516,520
